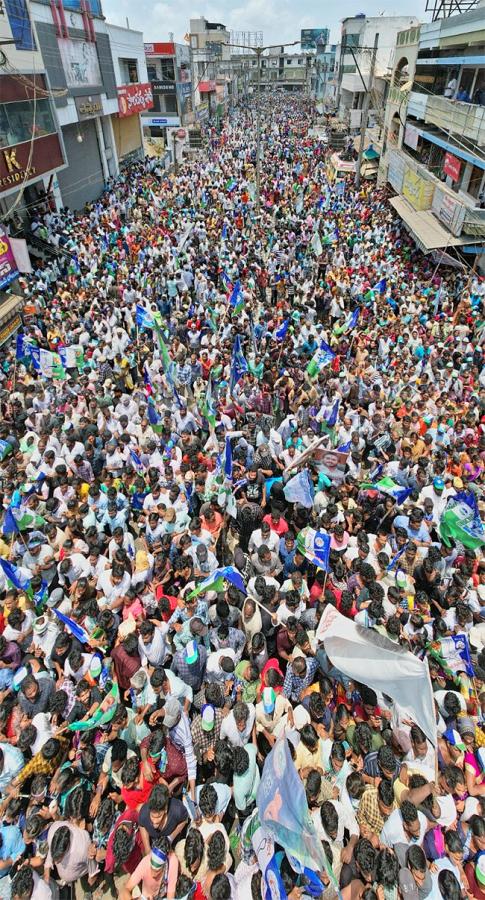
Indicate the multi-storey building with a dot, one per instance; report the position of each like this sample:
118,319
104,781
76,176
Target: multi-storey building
354,63
98,77
435,134
169,73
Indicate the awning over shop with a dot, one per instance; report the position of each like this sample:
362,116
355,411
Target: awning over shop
425,228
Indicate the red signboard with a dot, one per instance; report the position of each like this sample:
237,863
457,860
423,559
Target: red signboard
166,48
15,167
206,87
134,98
452,166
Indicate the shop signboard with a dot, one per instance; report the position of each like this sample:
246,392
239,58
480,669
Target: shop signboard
134,98
417,190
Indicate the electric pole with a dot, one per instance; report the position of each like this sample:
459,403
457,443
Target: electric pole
365,112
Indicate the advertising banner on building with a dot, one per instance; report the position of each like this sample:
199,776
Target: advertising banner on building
417,190
448,210
452,166
163,87
21,254
8,266
310,38
80,63
18,167
134,98
395,172
411,136
162,48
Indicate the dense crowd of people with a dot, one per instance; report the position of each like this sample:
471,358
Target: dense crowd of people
202,385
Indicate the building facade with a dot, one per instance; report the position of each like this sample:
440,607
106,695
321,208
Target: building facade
354,64
31,145
169,74
435,139
209,54
134,92
324,82
87,61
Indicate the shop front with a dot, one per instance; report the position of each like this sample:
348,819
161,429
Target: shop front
31,150
132,100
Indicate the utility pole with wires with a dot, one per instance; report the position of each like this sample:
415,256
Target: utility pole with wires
259,52
365,111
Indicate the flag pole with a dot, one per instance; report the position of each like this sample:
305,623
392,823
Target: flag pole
262,607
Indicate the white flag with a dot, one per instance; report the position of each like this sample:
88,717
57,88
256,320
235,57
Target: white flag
367,656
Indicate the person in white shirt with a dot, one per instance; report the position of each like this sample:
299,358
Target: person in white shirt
112,586
404,826
238,725
264,535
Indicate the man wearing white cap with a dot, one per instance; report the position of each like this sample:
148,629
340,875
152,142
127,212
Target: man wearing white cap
273,712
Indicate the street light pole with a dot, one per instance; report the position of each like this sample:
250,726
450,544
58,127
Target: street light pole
175,163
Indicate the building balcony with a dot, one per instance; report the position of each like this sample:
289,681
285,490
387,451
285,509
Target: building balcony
465,119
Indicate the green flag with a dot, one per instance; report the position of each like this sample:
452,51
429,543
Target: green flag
26,518
217,585
461,522
103,714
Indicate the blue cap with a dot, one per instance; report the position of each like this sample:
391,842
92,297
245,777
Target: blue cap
438,483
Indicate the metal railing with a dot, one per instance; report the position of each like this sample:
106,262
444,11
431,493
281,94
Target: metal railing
465,119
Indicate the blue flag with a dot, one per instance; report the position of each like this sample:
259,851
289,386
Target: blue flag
381,286
231,574
34,487
313,886
23,346
236,299
395,559
344,448
332,419
315,547
10,523
228,458
239,366
354,318
456,651
272,887
283,809
13,575
143,318
300,489
153,418
377,472
402,495
224,232
136,460
226,281
282,331
76,630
